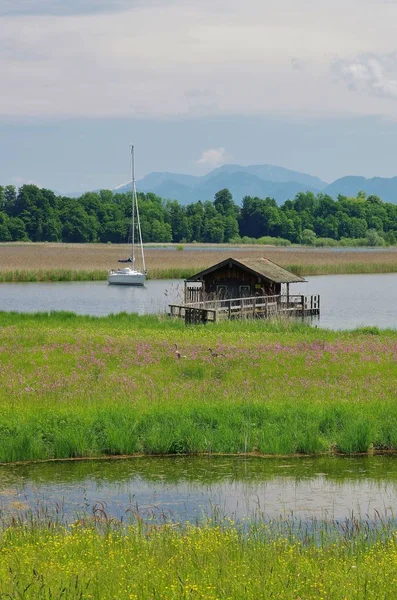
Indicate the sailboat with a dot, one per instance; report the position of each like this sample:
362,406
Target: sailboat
131,275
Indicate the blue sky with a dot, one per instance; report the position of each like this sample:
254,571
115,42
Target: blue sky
309,85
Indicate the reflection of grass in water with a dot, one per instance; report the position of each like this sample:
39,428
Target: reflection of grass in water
205,470
99,558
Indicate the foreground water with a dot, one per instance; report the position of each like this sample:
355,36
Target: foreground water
182,488
347,301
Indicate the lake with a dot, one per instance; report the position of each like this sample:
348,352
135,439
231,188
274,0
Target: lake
191,488
347,301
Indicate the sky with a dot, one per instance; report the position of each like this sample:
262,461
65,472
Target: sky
310,85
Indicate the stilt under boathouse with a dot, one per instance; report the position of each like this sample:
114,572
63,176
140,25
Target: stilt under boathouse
243,288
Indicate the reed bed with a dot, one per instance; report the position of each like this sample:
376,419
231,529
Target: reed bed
214,562
67,262
83,386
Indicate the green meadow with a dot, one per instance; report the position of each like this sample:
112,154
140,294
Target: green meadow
214,562
75,386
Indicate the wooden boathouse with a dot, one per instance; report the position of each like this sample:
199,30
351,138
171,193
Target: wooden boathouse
241,288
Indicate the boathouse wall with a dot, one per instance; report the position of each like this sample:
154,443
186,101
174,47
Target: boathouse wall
230,281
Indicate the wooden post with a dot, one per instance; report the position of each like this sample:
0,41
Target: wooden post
230,309
287,295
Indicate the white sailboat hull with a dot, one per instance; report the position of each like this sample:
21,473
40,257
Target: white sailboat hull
126,277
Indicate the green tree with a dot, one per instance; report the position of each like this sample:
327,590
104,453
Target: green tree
224,204
76,225
17,230
374,239
214,230
308,237
10,198
5,235
161,232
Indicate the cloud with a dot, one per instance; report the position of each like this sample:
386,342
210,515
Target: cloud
181,58
374,74
213,157
297,64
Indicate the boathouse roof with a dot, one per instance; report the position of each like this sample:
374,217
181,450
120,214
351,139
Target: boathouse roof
263,267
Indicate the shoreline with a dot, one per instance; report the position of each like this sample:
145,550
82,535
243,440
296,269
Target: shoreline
65,275
126,457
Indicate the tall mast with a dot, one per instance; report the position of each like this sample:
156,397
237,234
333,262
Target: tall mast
140,235
133,203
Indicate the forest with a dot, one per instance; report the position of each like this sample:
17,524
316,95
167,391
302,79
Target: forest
39,215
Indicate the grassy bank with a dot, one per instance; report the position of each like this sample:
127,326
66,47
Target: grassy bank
32,276
89,262
182,273
209,563
79,386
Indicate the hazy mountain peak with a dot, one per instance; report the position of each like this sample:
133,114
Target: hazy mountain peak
258,180
272,173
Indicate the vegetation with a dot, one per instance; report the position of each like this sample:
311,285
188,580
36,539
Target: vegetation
39,215
214,562
79,386
182,273
90,262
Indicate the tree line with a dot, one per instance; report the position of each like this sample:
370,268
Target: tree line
38,215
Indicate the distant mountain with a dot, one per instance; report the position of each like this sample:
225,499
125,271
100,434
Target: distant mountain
273,174
385,188
257,180
254,180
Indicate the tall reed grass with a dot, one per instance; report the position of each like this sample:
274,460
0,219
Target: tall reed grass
353,268
74,262
19,276
33,276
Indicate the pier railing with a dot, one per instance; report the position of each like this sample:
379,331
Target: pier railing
255,306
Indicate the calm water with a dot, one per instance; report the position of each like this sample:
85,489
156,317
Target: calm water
190,488
347,301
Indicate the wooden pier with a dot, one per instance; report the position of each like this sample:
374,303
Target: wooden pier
259,307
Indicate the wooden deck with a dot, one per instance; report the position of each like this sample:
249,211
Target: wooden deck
262,307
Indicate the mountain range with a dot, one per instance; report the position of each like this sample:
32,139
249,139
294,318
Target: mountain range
257,180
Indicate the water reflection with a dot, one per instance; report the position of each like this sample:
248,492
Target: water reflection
189,488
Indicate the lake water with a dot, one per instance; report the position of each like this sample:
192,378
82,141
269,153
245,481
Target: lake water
347,301
182,488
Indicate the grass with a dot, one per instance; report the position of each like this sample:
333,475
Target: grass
24,276
83,386
214,562
78,262
353,268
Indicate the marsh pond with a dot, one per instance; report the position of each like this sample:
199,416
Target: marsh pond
347,301
191,489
